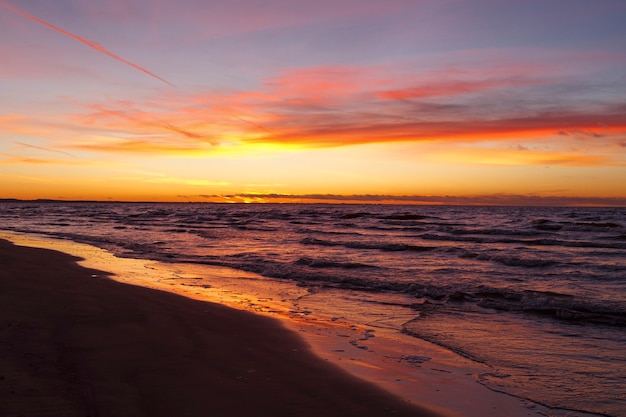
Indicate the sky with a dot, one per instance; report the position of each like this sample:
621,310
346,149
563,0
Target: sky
405,101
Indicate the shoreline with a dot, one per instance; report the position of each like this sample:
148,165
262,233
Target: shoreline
77,343
435,378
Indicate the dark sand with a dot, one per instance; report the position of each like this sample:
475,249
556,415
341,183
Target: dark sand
74,343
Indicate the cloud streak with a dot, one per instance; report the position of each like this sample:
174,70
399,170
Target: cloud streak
6,159
93,45
42,148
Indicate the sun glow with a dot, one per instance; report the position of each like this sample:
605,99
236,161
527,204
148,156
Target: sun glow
231,115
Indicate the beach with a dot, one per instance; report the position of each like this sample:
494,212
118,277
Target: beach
75,343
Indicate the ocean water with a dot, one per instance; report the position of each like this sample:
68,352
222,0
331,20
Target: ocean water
538,294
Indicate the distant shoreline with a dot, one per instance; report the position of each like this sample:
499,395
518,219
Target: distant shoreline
500,201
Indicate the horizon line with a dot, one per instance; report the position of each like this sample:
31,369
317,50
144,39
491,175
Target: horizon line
356,199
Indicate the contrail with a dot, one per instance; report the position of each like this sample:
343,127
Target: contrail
91,44
191,134
26,145
258,126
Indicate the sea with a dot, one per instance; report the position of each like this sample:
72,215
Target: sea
537,294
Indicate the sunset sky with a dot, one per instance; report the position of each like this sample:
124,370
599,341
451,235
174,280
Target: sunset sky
469,101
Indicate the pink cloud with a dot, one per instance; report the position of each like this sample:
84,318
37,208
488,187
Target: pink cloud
332,106
321,82
454,88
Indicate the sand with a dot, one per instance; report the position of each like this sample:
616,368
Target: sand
75,343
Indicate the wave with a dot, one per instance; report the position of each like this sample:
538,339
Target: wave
328,263
340,274
382,246
614,243
357,215
564,307
509,260
308,231
551,225
471,243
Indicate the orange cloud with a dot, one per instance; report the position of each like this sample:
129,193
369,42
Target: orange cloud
342,106
179,129
362,129
6,159
496,156
138,146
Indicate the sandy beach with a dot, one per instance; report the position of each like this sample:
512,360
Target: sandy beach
74,343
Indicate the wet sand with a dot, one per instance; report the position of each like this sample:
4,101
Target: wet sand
74,343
